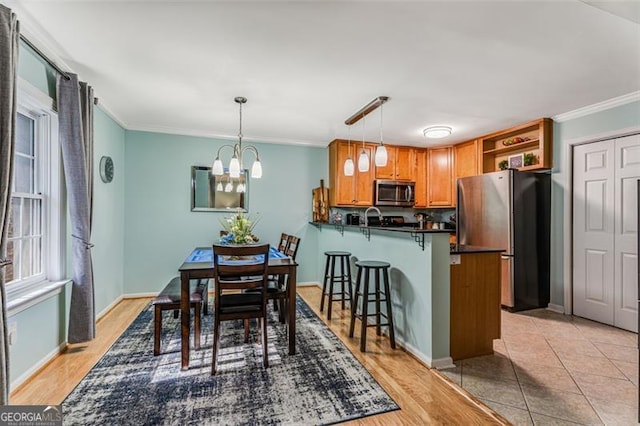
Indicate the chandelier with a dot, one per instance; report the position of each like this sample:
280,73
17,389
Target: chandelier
236,165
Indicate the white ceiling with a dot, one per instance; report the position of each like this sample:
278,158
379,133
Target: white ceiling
306,66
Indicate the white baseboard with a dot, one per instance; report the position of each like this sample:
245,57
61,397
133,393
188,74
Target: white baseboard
308,284
139,295
555,308
438,363
109,307
44,361
442,363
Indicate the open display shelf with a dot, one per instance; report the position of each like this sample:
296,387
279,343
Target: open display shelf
533,138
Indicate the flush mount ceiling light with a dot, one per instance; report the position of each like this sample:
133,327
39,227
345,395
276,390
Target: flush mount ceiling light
435,132
236,165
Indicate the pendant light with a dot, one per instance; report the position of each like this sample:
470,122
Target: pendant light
363,159
349,168
381,151
236,165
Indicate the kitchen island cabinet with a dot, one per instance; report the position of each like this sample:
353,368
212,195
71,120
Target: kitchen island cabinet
475,302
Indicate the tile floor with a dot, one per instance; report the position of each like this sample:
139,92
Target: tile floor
552,369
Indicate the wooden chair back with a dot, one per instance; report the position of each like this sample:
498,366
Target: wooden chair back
236,268
284,243
242,273
292,247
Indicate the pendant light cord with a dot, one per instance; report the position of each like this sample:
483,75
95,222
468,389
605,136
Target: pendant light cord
380,124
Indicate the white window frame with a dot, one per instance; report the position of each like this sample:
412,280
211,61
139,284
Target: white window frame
25,293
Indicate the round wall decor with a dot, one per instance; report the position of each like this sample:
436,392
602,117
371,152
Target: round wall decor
106,169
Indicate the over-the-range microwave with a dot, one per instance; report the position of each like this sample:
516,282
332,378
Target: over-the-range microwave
394,193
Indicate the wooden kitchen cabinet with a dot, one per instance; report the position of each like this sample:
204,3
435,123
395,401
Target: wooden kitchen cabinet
511,146
466,159
401,164
475,304
440,177
356,190
422,199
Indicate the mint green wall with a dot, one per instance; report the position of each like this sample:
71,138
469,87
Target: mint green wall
42,327
619,118
160,227
108,212
36,71
41,330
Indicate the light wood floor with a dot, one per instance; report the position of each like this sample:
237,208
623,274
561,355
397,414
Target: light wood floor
424,396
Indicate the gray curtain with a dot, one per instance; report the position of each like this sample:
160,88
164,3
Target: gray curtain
75,108
9,35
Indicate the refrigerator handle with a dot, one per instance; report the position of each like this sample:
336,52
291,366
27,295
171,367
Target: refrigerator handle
511,212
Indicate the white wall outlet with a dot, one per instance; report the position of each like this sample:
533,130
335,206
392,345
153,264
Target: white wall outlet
454,259
12,328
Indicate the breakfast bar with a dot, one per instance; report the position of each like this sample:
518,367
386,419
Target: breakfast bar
421,287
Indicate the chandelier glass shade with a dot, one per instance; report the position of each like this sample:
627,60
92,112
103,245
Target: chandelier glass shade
236,164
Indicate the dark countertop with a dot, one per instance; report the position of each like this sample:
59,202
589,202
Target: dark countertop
406,229
456,249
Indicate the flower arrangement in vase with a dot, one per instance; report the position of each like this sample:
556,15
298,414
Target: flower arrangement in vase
239,229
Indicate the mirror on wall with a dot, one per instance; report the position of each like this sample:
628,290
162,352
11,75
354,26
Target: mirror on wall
211,193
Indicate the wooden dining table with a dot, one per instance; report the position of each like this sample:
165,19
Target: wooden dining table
199,264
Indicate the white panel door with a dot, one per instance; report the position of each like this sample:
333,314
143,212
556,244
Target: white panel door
627,171
593,231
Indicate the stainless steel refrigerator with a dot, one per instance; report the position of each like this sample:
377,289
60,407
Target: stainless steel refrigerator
510,210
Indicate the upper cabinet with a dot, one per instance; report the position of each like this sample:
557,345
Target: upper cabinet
356,190
525,147
465,158
401,164
440,177
422,199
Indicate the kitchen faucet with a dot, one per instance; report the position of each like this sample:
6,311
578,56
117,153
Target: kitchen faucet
366,212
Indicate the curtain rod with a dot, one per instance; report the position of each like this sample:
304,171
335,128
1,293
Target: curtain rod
43,56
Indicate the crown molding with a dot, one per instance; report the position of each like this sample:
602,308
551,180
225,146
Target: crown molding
204,134
600,106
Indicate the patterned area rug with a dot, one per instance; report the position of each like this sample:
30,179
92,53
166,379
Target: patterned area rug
322,384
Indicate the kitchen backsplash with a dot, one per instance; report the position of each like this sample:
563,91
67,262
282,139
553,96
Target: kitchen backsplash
436,215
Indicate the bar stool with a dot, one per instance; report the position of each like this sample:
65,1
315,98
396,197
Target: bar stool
377,267
330,278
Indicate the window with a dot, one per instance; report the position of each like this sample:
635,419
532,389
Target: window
24,245
35,239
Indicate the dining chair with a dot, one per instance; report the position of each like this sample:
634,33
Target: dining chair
237,268
284,242
277,289
281,294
